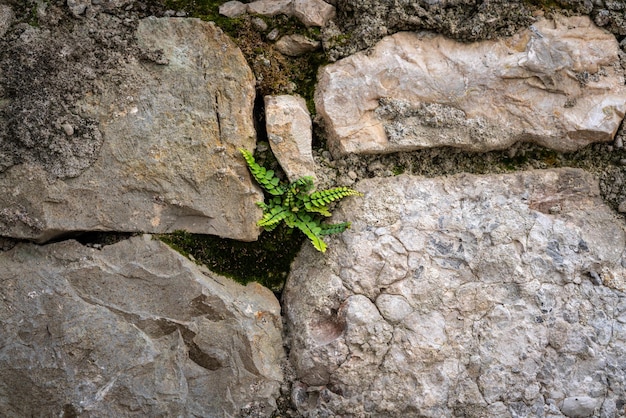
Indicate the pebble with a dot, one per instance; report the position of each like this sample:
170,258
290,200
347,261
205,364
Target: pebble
259,24
622,161
273,35
352,175
619,142
69,129
622,207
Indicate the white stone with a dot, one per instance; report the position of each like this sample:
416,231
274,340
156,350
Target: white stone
463,296
558,83
289,130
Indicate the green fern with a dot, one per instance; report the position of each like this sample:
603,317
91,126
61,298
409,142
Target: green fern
296,205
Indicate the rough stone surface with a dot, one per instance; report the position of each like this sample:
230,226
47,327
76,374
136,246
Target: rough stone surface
133,329
233,8
172,124
6,18
271,7
296,45
313,12
558,83
289,131
476,296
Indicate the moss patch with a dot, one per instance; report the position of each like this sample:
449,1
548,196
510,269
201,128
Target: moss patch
266,261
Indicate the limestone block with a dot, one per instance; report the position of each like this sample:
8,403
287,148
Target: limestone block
492,295
132,329
171,125
558,83
289,130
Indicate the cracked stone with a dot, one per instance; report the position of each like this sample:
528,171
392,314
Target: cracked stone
421,90
464,296
132,325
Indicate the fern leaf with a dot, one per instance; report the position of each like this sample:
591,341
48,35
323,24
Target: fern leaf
264,177
273,216
324,197
329,229
312,230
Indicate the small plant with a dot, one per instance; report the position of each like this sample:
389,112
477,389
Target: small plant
296,204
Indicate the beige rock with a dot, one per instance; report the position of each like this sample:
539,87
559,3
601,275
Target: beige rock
296,45
558,83
271,7
313,12
170,156
288,125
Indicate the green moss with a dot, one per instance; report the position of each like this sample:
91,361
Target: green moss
265,261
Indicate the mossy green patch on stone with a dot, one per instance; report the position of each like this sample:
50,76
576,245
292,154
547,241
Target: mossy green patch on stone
265,261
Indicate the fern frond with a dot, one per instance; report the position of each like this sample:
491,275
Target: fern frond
311,229
273,216
324,197
329,229
264,177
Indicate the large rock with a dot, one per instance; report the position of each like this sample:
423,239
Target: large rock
558,83
475,296
134,329
170,123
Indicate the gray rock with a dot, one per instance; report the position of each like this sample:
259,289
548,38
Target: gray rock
133,329
463,296
289,130
6,18
579,406
439,92
271,7
296,45
78,7
233,8
172,125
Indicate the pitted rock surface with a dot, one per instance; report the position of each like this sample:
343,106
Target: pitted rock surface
558,83
494,295
172,120
133,329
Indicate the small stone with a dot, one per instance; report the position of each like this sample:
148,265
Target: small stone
68,129
619,142
270,7
181,13
296,45
313,12
273,35
232,9
579,406
259,24
352,175
622,207
6,18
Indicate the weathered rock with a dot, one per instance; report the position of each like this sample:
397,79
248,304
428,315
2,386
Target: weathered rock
296,45
313,12
499,295
233,8
172,125
558,83
361,23
133,329
289,130
6,18
271,7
